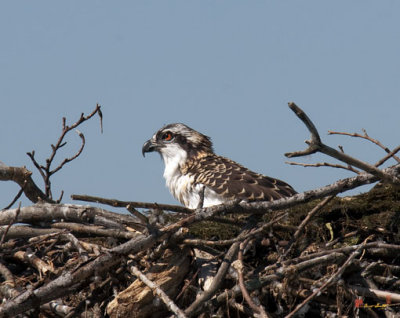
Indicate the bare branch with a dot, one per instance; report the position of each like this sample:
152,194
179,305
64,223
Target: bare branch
45,170
323,164
10,224
389,155
367,137
22,177
66,160
131,204
316,145
18,195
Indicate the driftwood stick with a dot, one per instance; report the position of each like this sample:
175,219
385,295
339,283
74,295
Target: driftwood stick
48,212
159,292
132,204
35,261
24,231
96,230
40,213
22,177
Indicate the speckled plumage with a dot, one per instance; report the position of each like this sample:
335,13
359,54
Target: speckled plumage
191,166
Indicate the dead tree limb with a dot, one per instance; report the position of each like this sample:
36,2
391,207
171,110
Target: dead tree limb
322,164
316,145
133,204
22,177
366,137
46,171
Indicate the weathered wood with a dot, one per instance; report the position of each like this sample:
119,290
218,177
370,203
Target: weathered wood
138,300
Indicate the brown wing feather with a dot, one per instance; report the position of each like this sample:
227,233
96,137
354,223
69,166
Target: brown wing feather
232,180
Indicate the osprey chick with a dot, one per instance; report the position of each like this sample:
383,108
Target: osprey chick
191,167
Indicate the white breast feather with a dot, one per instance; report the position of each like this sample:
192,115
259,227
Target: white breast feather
181,186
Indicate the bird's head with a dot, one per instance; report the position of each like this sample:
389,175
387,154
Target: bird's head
178,140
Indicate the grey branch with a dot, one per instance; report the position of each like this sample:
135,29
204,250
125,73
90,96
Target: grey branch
316,145
22,177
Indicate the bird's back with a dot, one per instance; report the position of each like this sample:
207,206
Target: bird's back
231,180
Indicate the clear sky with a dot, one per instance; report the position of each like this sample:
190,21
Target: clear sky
225,68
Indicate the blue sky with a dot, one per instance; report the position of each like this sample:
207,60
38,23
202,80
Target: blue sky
225,68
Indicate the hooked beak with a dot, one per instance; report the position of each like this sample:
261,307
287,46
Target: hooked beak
148,146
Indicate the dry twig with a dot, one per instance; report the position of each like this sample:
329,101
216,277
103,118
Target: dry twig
316,145
46,171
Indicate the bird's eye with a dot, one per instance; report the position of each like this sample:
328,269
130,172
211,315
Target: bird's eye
167,136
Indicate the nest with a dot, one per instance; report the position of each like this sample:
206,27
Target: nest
312,254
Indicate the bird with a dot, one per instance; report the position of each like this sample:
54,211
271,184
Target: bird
199,178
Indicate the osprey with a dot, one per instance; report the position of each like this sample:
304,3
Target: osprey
197,177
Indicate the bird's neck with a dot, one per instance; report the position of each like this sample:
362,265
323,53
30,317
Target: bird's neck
173,162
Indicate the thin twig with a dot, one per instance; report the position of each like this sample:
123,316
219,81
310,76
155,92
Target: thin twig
45,170
323,164
238,265
388,156
302,225
17,211
367,137
315,145
131,204
14,200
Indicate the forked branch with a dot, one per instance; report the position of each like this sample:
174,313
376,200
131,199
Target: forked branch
316,145
46,171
